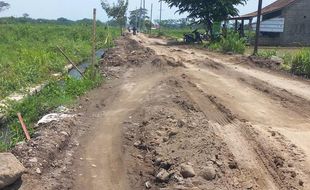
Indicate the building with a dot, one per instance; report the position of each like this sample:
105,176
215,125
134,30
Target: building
284,23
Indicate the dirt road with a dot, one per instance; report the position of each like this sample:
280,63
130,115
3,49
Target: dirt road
182,118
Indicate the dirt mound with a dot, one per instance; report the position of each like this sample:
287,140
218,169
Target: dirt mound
135,54
175,147
161,61
258,62
177,142
113,59
46,157
131,53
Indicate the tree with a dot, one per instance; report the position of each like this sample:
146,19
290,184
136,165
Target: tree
116,11
26,15
138,17
3,6
207,12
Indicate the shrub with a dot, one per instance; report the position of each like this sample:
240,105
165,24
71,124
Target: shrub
231,43
301,63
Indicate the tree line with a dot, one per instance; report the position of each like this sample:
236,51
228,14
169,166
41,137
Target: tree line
202,12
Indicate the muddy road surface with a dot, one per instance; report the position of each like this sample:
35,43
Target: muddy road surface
174,117
181,118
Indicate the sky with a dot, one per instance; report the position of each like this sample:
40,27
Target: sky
79,9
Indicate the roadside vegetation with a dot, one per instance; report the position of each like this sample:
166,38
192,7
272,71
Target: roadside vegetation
29,56
28,53
231,43
172,33
295,61
300,63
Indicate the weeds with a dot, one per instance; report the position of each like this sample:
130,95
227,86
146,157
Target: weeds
171,33
28,53
267,54
301,63
287,62
231,43
52,96
28,56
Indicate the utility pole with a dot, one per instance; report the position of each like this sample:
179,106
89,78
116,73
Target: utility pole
137,19
143,16
151,18
259,14
160,14
94,44
140,14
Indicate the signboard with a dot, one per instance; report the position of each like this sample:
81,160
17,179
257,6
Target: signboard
271,25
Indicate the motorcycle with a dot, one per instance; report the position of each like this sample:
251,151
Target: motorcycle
192,37
189,38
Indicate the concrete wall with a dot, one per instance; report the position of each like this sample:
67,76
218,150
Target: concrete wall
296,26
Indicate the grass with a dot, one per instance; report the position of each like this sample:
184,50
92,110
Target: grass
267,53
295,60
280,51
301,63
171,33
28,53
231,43
51,97
28,56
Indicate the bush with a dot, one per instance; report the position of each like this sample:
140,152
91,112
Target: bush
231,43
301,63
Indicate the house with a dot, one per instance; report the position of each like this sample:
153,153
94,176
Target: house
284,23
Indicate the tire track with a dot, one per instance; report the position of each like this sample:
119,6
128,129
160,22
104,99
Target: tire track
233,130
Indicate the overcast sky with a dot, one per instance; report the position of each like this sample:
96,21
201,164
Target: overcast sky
78,9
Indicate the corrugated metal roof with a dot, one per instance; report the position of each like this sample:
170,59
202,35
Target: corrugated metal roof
278,5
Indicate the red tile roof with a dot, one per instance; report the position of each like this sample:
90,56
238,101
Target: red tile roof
278,5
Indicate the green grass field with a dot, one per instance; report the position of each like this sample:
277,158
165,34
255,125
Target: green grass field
171,33
280,51
28,53
29,56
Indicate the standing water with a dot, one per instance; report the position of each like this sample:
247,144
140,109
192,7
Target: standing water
84,65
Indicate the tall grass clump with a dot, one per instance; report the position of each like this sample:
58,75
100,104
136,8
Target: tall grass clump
232,43
301,63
